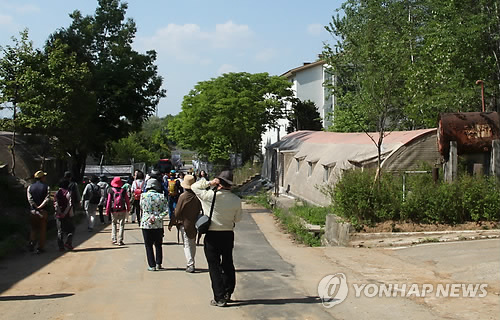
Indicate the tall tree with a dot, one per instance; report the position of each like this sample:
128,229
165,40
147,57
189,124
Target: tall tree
15,66
124,82
229,114
303,116
369,61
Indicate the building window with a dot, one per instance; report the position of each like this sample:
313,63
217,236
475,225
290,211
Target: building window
326,173
297,161
310,169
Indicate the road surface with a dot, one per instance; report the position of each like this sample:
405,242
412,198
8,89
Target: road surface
276,279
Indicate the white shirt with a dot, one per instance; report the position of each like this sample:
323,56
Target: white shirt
227,209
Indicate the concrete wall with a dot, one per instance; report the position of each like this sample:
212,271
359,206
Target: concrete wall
337,232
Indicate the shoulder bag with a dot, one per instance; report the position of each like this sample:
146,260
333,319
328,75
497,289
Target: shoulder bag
203,222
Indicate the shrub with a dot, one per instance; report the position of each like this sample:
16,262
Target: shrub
311,214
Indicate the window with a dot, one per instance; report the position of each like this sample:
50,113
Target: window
298,165
310,169
326,173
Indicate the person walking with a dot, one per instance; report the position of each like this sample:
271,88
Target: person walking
186,212
104,186
73,187
38,195
63,205
219,240
154,207
91,198
117,206
136,190
173,187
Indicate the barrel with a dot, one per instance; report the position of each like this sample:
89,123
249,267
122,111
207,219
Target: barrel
473,131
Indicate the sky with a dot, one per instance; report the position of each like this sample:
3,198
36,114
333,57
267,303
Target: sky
196,40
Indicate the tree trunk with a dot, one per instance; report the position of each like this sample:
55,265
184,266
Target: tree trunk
78,161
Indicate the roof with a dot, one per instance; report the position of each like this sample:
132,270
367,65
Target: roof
329,148
290,73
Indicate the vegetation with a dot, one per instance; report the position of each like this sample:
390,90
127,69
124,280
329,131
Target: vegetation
292,220
86,88
468,199
228,115
248,170
398,64
304,115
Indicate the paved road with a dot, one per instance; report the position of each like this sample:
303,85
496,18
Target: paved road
276,279
101,281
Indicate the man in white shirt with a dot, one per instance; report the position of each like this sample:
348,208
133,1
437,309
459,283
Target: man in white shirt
219,240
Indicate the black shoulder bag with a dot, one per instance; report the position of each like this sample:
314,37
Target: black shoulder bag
203,222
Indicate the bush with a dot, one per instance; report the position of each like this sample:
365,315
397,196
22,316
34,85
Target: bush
468,199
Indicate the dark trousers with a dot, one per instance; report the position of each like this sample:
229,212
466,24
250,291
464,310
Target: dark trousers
66,227
136,206
101,214
218,247
153,237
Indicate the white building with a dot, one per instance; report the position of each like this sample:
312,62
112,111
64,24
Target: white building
307,84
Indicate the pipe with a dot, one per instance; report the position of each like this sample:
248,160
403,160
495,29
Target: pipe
482,91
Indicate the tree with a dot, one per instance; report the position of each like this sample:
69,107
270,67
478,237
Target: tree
229,114
15,67
369,61
124,83
304,116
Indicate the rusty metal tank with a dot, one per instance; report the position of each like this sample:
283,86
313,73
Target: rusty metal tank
473,131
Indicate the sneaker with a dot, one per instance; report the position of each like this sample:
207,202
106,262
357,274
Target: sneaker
190,269
39,251
121,243
113,241
68,246
151,269
158,267
220,303
227,297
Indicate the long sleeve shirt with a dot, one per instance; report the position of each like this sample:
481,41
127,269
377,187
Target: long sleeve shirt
109,203
186,212
227,209
154,206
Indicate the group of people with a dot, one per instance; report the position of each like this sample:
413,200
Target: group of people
148,199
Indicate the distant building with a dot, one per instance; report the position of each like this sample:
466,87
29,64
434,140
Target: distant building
307,84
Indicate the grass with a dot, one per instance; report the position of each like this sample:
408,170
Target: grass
429,240
290,220
313,215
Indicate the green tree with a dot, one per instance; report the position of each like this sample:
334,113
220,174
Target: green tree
124,82
131,147
229,114
369,61
304,116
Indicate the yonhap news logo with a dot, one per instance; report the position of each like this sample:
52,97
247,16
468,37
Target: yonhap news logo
333,290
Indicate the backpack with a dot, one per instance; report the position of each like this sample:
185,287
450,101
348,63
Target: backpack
172,187
95,195
61,202
138,191
118,203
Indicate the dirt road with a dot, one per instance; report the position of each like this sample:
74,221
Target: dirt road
276,279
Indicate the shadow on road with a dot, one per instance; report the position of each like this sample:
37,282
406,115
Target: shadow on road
96,249
19,266
36,297
282,301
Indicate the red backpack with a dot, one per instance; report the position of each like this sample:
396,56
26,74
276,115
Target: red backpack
138,191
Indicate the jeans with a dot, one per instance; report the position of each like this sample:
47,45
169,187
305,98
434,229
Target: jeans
172,203
153,237
90,210
118,218
65,226
38,226
218,247
189,247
